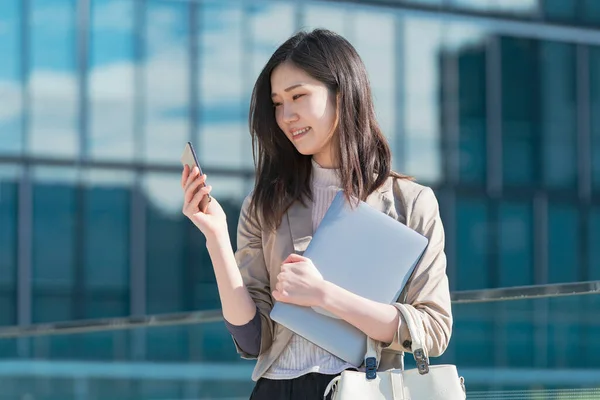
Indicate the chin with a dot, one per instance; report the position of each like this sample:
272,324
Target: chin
305,152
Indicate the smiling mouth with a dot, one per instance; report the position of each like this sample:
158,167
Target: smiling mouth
301,132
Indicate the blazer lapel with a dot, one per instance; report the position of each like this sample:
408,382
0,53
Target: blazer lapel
300,222
382,200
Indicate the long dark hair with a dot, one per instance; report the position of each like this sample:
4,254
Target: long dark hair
364,157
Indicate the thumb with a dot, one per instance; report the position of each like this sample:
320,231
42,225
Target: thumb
279,296
292,258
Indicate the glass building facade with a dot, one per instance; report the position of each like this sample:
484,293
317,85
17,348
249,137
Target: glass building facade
495,104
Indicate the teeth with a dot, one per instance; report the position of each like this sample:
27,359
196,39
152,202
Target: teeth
300,131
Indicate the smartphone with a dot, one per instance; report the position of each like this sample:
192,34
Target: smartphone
190,159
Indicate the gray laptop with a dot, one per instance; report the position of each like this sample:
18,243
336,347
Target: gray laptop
364,251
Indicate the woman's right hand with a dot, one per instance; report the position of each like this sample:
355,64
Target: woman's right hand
212,223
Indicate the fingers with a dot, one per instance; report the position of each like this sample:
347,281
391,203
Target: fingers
195,202
192,206
192,175
191,188
280,294
293,258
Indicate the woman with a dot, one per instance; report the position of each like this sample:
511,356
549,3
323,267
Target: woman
314,132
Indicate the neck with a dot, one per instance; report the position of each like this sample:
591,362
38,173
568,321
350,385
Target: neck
324,177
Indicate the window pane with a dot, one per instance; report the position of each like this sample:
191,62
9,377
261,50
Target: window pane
563,243
332,17
423,43
591,11
468,46
559,114
8,243
594,239
373,37
567,323
165,243
560,10
167,80
54,240
106,235
10,77
111,79
472,332
269,26
519,100
51,305
53,80
223,108
595,115
472,263
517,333
515,225
519,7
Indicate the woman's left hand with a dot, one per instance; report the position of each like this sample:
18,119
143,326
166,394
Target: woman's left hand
299,282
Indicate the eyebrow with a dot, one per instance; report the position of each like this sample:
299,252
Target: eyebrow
290,88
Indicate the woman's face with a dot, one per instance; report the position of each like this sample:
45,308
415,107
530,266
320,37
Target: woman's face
305,111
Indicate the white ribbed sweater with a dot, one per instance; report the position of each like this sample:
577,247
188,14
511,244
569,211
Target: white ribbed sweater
301,357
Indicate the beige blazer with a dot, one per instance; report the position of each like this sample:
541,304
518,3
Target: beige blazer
261,253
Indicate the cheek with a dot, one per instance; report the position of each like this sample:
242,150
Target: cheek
321,109
278,119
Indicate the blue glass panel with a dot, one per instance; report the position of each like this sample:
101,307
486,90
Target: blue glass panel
111,79
9,190
107,240
472,264
559,10
516,333
373,34
423,42
591,12
563,243
225,81
54,243
594,248
519,7
520,126
166,236
595,115
559,114
53,81
10,77
468,46
167,80
515,225
567,321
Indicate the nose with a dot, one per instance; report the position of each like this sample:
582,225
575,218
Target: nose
289,114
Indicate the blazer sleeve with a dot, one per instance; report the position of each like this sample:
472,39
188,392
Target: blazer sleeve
255,275
428,291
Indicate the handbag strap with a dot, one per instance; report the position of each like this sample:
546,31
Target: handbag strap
414,323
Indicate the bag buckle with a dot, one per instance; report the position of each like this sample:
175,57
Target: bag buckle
371,367
422,361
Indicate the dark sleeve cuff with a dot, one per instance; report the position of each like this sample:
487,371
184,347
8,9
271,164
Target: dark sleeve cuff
247,336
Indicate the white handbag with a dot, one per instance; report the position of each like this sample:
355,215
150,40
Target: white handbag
436,382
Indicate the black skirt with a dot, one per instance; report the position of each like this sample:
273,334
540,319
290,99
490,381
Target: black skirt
306,387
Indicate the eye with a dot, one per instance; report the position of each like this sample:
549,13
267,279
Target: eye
297,96
275,105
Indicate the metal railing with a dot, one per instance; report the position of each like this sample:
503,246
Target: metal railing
197,317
